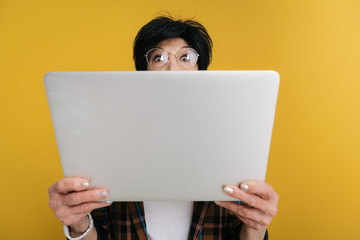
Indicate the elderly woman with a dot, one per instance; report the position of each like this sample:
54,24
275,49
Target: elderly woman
165,44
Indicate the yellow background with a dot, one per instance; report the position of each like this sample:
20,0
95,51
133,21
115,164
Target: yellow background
314,45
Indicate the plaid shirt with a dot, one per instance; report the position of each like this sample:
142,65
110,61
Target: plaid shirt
126,220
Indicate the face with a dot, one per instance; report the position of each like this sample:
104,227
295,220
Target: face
172,46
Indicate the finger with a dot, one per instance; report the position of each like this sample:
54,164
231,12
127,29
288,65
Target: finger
261,189
77,198
253,214
86,208
71,215
251,200
67,185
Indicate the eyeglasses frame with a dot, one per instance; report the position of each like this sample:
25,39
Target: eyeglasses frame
169,53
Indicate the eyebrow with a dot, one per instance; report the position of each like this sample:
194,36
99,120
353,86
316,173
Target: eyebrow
179,47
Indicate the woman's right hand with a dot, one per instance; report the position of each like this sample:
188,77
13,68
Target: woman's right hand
71,200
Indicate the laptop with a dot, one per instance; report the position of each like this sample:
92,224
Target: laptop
163,135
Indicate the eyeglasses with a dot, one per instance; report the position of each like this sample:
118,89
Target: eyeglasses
185,57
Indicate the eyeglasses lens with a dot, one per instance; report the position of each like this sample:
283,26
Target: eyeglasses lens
187,57
157,57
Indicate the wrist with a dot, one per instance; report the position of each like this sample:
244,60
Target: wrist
77,231
247,233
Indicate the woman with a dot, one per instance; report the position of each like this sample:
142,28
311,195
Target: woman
165,44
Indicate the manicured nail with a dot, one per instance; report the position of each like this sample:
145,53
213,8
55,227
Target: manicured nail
84,184
217,202
228,190
108,202
102,194
244,187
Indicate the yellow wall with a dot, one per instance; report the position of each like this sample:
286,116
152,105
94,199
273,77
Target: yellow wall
315,46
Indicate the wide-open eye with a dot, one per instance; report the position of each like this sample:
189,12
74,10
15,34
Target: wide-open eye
158,58
185,58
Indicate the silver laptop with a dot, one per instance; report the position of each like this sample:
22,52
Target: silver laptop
163,135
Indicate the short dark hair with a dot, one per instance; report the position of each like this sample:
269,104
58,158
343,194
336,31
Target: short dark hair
162,28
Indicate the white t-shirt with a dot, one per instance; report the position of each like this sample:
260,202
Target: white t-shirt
168,220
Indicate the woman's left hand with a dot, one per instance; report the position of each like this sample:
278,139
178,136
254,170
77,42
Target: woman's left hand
258,203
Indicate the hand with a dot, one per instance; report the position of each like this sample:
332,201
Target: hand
259,203
71,200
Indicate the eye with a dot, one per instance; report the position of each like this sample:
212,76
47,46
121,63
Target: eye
158,58
185,58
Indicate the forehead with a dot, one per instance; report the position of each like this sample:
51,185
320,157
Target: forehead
172,44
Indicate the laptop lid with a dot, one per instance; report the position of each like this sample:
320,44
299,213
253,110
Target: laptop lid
163,135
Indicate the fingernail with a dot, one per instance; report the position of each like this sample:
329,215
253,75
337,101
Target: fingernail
217,202
102,194
108,202
228,190
84,184
244,187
